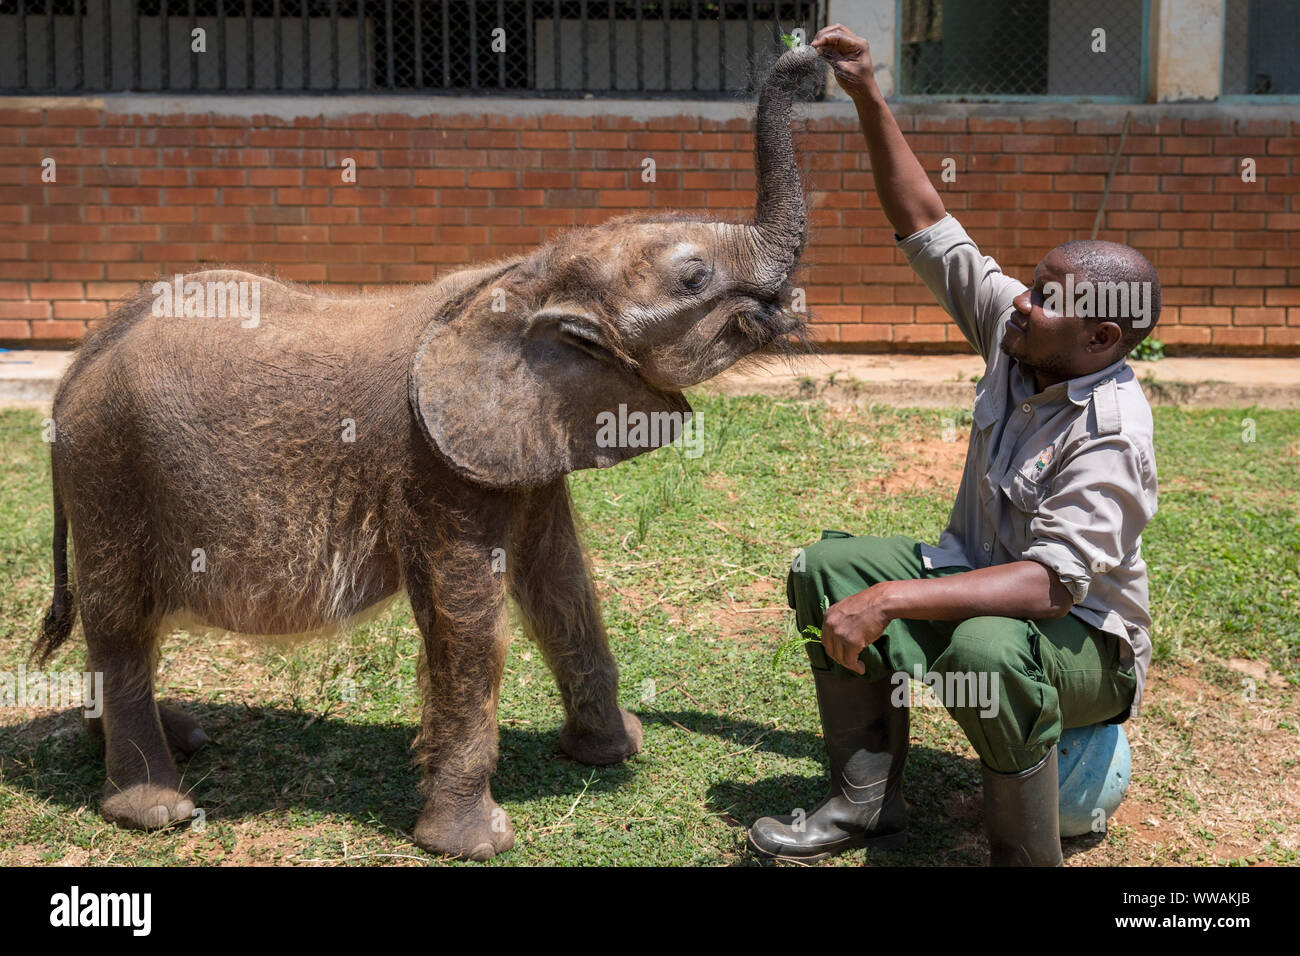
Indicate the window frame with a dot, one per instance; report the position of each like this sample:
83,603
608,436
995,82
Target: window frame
1254,99
1142,96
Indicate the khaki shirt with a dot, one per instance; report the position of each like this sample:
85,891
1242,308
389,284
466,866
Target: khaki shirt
1065,476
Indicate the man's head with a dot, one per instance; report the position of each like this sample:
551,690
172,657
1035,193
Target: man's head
1089,304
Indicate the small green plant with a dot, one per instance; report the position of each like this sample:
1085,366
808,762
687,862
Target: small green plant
1148,350
783,652
791,40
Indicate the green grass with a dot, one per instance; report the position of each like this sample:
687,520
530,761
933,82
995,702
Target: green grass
311,758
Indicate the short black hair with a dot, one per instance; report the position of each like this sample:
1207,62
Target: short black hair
1100,261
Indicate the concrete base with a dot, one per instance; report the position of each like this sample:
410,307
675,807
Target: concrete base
29,378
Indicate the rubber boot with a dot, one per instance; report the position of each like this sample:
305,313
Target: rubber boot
866,741
1022,815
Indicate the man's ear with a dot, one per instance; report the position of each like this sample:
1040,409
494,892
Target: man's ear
1105,335
519,397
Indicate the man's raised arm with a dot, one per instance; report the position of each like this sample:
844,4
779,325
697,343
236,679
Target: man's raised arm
908,198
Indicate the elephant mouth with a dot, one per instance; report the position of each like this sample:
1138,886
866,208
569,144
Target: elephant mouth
767,327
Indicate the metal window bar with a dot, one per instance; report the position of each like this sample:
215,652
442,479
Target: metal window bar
108,45
78,60
529,36
49,44
305,17
221,44
473,47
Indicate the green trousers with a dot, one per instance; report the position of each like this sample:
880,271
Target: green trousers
1013,685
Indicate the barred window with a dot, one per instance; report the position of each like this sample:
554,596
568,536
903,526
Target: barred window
1000,49
545,47
1261,48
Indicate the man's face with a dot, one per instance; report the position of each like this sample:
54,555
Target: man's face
1046,342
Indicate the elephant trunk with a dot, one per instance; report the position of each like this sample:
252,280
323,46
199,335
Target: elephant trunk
780,221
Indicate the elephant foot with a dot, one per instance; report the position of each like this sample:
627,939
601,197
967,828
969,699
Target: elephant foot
184,735
605,747
146,806
478,834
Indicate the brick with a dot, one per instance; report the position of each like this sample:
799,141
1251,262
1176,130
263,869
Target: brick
1028,143
919,333
84,311
493,179
1252,298
1287,296
1288,337
1264,316
19,309
977,124
823,332
848,314
1201,316
1237,336
76,271
1046,163
56,290
21,117
865,333
64,116
58,331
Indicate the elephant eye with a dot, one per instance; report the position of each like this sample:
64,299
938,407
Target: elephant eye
696,279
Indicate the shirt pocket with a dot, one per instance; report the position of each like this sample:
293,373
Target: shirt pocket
1025,492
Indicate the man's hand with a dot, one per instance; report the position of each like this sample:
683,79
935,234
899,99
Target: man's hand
850,625
849,57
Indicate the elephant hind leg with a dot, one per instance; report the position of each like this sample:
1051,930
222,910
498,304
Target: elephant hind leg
144,789
551,583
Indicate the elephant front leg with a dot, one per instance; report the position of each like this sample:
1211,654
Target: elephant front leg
460,670
550,581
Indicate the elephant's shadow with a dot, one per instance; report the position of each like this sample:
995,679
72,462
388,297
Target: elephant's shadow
267,758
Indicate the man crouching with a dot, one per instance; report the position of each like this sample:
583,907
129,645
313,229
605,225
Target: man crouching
1037,591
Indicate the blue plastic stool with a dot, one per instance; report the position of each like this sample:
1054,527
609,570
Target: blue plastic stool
1094,765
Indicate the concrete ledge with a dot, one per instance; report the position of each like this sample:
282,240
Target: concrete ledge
29,378
317,105
948,381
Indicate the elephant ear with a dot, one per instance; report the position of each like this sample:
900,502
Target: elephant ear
516,399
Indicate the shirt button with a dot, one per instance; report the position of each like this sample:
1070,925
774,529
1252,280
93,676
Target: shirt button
1026,408
987,546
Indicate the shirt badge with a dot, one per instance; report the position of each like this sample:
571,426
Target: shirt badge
1044,459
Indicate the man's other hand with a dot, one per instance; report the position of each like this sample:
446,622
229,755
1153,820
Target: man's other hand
850,625
849,57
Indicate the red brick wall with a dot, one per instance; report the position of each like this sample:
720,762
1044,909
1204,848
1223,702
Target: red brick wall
139,195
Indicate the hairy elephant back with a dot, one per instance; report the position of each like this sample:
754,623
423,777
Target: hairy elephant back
257,468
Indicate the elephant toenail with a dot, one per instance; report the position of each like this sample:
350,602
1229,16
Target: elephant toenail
157,817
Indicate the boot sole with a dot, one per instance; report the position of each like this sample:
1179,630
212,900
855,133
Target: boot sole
887,841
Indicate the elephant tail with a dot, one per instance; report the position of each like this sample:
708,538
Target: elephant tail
62,614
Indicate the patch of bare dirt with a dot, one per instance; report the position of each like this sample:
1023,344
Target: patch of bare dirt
1214,775
929,464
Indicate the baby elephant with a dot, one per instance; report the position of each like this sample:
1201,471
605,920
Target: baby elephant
279,470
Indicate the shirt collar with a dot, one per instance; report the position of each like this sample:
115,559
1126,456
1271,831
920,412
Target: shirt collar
1080,389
